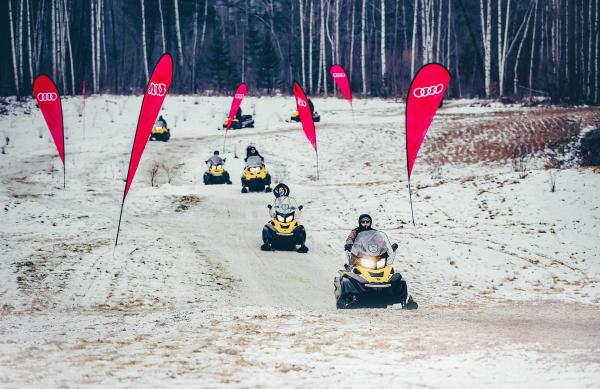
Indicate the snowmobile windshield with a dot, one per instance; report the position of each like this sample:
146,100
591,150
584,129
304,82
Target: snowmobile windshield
254,161
372,244
285,209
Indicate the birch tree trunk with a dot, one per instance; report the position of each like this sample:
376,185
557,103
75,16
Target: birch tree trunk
195,44
53,38
204,23
13,48
144,41
588,87
532,48
98,43
337,31
596,75
486,31
351,58
162,26
362,48
502,44
20,44
383,43
93,44
29,47
449,29
310,48
178,31
301,14
413,55
68,32
516,68
323,54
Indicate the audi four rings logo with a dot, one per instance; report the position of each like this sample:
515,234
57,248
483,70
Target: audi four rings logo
301,102
47,96
239,96
428,91
339,75
157,89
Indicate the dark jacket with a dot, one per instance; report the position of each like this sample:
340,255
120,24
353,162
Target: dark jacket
311,106
249,155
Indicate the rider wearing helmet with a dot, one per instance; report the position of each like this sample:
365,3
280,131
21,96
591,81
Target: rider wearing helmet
252,151
364,224
161,122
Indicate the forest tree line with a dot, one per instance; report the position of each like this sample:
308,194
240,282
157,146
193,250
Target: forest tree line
499,48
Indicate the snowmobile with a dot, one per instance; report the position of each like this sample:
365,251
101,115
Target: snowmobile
160,133
284,231
296,117
216,174
236,124
255,178
369,278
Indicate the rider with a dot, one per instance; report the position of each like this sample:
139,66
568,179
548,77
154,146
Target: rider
216,159
281,190
238,114
311,106
161,122
364,224
251,151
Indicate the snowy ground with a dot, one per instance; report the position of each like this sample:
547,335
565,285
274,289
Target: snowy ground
506,272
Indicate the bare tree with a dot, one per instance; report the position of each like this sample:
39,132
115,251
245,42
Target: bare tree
486,32
93,44
382,41
178,31
414,38
301,14
532,49
13,48
310,45
144,41
362,47
162,27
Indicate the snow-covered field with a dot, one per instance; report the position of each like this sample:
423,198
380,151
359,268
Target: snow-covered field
506,271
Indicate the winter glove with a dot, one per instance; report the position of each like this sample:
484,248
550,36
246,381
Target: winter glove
348,247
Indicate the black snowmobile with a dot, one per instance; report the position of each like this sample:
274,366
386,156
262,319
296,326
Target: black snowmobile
284,231
296,117
369,279
236,124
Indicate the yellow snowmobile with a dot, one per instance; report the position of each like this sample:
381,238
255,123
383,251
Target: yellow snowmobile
284,231
216,174
369,277
296,117
159,132
255,178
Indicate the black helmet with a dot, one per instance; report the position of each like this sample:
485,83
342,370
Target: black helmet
365,217
216,152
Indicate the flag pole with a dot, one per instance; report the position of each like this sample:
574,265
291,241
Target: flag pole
411,204
317,164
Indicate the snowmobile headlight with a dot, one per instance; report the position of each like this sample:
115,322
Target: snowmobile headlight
218,166
368,262
158,127
281,218
289,218
381,263
254,169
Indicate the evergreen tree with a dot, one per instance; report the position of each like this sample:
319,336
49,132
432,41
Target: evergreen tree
268,71
220,64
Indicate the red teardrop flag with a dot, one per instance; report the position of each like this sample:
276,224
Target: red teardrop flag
240,93
48,100
341,79
308,125
424,97
156,90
